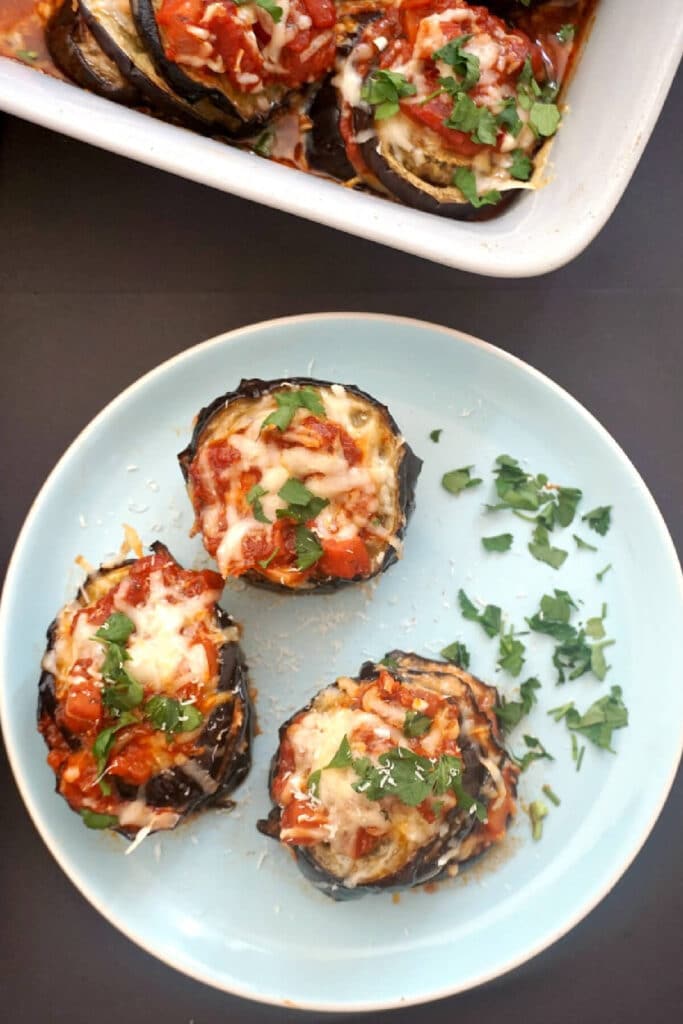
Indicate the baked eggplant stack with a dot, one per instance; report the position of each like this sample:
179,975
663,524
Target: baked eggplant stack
300,484
391,779
143,699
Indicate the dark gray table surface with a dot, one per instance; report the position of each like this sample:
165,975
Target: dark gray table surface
106,269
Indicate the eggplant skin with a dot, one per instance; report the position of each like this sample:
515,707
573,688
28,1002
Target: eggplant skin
325,150
408,470
226,738
462,828
75,52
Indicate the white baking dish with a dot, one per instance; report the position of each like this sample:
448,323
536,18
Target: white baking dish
615,99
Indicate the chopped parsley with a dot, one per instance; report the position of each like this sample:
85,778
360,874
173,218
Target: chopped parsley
475,121
457,653
501,542
303,505
508,119
416,724
170,715
389,662
511,712
287,404
543,551
489,619
552,796
544,116
104,740
383,90
265,562
603,572
465,64
402,774
120,691
27,55
544,119
435,435
537,812
599,519
458,480
521,166
511,654
598,723
254,499
308,549
465,180
566,33
535,752
583,545
116,630
516,488
91,819
553,616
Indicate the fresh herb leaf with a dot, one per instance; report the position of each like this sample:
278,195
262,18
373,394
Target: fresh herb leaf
308,548
600,720
265,562
599,666
457,653
416,724
516,488
434,435
463,63
489,619
553,616
535,752
124,694
254,499
553,797
501,542
544,119
104,740
528,89
566,32
579,760
537,812
567,500
267,5
465,180
389,662
91,819
383,90
343,758
303,504
287,404
511,654
457,480
599,575
510,121
599,519
582,544
264,144
294,492
116,630
595,628
170,715
521,166
572,656
542,550
313,783
511,712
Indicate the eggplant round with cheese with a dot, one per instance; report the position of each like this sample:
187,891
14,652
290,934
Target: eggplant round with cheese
75,51
112,25
143,699
300,484
244,57
440,106
391,779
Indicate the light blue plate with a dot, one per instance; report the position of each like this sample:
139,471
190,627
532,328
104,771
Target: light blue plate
217,900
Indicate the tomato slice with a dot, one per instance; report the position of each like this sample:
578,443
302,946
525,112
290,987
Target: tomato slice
344,558
83,707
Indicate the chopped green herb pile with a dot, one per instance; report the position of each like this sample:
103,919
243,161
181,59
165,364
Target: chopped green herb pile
287,404
600,720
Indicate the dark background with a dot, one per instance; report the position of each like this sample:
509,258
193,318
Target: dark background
108,268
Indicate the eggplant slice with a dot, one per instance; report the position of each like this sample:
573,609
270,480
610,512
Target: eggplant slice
112,25
196,86
361,781
156,770
320,501
75,51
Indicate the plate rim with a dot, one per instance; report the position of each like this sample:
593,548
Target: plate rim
82,884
